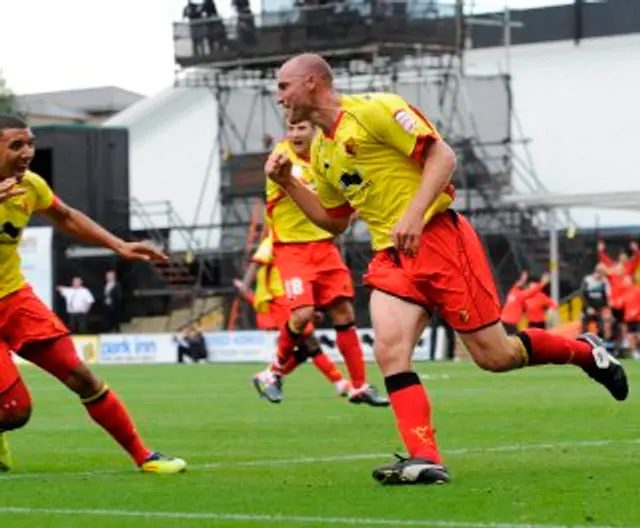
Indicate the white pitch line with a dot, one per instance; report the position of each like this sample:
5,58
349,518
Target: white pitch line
294,519
338,458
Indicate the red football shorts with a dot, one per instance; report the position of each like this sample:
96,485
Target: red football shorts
276,317
313,273
24,318
450,272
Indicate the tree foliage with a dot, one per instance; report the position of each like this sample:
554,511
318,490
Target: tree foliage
8,101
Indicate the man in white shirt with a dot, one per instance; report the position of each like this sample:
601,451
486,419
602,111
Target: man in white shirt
79,301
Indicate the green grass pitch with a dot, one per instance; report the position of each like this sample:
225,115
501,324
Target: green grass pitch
542,447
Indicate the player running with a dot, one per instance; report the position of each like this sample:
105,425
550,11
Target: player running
313,273
29,328
272,313
378,155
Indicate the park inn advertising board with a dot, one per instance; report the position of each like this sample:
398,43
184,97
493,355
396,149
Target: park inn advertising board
224,347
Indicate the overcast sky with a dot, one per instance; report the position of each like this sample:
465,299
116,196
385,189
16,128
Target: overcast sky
50,45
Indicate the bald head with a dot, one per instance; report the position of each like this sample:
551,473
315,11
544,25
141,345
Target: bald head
309,64
305,89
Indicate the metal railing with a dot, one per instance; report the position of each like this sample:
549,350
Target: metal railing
330,26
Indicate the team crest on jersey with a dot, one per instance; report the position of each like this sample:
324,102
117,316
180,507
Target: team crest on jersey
351,147
405,120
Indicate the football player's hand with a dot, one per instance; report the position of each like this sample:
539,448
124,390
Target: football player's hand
407,232
545,279
141,251
278,168
634,246
601,246
9,188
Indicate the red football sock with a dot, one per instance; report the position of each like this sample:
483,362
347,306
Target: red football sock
349,345
288,339
410,404
328,368
110,414
543,348
292,363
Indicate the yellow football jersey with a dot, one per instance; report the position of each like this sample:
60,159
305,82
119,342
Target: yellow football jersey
371,162
286,220
268,281
15,214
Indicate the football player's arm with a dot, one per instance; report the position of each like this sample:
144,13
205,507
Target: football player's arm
335,219
603,256
75,223
78,225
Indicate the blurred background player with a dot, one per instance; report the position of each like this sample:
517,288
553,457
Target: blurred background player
272,313
29,328
596,295
630,304
518,294
629,264
381,157
313,273
538,306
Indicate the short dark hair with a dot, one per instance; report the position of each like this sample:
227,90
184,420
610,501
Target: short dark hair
11,121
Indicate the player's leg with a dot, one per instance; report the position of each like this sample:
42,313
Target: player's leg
398,324
292,260
58,357
40,337
464,288
333,289
15,404
292,333
342,314
311,349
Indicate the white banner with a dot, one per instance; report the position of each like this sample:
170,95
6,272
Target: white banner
223,347
137,348
35,251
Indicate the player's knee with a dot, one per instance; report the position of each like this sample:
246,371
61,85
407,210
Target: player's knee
83,382
495,358
301,316
15,407
392,356
342,312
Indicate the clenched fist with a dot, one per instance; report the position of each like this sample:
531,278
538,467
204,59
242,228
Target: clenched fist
278,168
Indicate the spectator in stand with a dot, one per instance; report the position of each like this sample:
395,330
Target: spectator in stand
537,307
216,32
193,13
596,295
191,344
513,308
630,264
631,310
112,303
78,302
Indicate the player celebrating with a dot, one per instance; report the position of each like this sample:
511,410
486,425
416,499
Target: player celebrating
272,313
514,303
29,328
379,156
313,273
